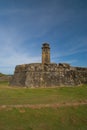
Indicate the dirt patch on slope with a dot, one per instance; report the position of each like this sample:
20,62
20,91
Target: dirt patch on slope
38,106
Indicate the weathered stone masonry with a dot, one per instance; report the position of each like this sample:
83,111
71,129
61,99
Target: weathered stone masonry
48,74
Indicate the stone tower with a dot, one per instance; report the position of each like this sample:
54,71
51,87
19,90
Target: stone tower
45,54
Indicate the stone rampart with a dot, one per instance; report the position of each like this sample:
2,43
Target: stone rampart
48,75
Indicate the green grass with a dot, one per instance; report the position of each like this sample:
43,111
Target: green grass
11,95
2,74
62,118
68,118
4,84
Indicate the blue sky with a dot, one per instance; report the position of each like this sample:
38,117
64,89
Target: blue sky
26,24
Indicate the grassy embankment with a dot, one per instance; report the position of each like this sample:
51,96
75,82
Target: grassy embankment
61,118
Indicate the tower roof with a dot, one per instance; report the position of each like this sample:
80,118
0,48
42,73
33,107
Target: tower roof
45,45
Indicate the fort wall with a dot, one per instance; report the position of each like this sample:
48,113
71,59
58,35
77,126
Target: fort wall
48,75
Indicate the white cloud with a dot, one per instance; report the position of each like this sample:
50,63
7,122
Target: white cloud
74,46
11,53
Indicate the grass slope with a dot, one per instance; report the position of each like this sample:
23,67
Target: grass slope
62,118
9,95
68,118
